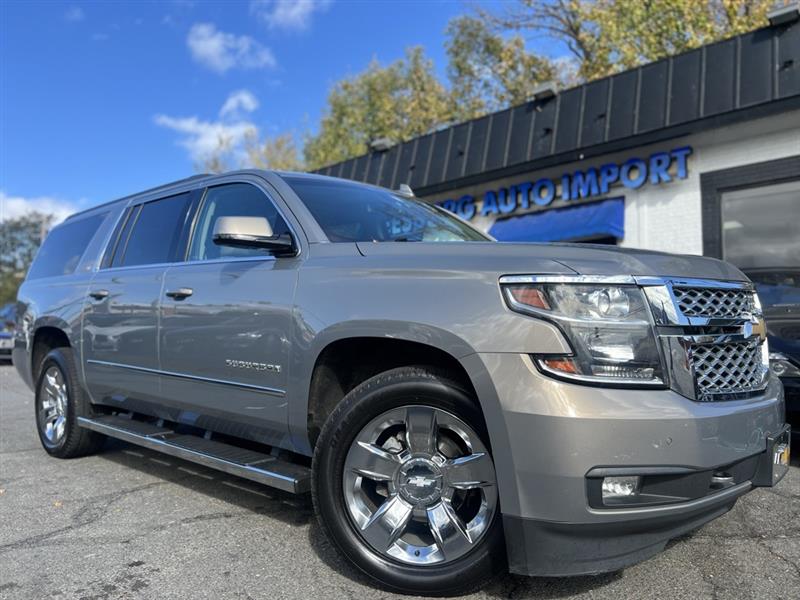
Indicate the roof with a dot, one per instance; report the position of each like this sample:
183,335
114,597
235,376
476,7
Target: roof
196,179
163,186
751,75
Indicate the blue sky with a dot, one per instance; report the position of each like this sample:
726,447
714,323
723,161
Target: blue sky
102,99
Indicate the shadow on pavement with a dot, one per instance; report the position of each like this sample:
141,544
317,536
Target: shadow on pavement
298,511
289,508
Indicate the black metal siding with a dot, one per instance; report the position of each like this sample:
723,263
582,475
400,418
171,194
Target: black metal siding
374,168
788,63
405,164
498,140
755,74
441,145
684,96
623,105
568,120
520,134
360,170
595,113
458,151
755,67
477,146
420,165
652,96
719,81
543,129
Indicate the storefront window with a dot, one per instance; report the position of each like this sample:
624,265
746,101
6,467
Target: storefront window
761,227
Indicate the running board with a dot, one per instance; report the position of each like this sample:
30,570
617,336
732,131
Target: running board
255,466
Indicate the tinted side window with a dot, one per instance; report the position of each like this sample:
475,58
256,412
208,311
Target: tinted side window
232,200
118,241
156,233
64,247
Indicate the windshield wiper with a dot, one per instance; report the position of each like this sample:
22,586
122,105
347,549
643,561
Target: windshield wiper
403,238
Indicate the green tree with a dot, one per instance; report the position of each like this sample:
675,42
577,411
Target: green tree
217,160
19,240
398,101
607,36
487,71
279,153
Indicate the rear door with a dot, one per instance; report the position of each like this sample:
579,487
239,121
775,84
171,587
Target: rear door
120,329
226,324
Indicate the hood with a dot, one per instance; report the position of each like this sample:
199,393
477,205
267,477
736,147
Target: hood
551,258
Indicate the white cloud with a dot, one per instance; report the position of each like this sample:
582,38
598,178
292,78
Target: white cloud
287,14
239,102
204,138
221,51
13,207
74,14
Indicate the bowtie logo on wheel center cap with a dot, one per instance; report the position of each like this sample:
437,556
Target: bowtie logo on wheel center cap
420,481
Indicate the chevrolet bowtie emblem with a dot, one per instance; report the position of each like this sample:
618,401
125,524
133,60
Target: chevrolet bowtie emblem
757,326
420,481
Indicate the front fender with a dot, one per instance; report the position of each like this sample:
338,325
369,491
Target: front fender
308,350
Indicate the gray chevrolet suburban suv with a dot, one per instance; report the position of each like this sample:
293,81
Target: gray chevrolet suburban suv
455,406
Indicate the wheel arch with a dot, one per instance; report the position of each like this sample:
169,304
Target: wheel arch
48,333
374,347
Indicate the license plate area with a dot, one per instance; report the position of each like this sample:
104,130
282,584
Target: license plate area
775,462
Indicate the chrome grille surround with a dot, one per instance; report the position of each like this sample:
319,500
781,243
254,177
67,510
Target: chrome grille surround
712,336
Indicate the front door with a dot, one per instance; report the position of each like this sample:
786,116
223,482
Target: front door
120,332
226,319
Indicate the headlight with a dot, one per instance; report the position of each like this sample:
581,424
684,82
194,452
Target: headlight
608,327
782,365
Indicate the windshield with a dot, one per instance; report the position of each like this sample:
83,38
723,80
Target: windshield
350,212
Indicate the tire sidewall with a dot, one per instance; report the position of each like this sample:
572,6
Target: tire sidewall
357,409
62,359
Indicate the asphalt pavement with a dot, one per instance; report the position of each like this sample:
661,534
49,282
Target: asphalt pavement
131,523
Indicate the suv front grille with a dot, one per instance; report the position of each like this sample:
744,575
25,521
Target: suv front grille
725,369
712,336
708,302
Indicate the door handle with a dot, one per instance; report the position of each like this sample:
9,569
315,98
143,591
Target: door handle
180,293
99,294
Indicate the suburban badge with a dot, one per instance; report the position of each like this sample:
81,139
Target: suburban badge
253,366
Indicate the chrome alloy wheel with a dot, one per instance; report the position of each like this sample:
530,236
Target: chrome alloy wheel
53,413
420,485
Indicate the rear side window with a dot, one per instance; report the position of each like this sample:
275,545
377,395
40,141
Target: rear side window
63,248
156,232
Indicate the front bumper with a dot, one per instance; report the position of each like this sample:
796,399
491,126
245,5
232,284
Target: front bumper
548,435
791,388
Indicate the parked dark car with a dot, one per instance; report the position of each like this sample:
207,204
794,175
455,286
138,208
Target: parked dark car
8,317
779,290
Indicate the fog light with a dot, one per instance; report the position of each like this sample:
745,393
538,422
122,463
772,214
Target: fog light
615,488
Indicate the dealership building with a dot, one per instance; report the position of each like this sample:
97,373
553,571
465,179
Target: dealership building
698,153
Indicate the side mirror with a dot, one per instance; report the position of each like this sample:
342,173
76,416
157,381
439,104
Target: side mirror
251,232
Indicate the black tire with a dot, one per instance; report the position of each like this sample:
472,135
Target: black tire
76,441
386,391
